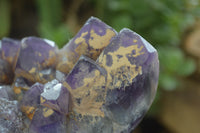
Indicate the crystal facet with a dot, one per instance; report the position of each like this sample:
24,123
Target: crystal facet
9,51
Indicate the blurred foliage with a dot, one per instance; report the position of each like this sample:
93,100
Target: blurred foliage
51,25
4,18
162,23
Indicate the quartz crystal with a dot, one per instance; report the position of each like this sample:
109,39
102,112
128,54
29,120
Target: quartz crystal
31,99
36,55
55,96
93,37
10,51
132,74
101,81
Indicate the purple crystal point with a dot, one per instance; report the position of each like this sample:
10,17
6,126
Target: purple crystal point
55,96
10,51
36,55
132,66
31,100
47,120
89,41
86,84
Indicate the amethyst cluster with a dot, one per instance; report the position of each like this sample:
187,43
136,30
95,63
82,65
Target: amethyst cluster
100,82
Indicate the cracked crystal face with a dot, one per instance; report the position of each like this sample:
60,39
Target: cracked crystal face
101,81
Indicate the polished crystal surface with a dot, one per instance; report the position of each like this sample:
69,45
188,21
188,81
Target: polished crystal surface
100,82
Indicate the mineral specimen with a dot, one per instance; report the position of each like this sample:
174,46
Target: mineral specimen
9,51
47,120
100,82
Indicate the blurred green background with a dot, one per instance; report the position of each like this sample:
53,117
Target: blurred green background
171,26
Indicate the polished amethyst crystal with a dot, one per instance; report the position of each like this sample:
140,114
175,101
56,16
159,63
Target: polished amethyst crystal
100,82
